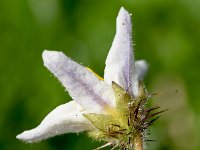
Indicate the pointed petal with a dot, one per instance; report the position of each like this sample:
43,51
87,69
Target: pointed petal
120,64
142,68
83,86
63,119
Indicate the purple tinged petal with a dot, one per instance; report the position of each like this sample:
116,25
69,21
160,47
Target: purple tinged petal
120,63
66,118
83,86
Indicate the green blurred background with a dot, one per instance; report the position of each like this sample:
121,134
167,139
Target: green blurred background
166,34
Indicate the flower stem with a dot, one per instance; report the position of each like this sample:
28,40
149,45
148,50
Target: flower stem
138,141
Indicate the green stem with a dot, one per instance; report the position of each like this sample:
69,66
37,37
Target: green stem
138,141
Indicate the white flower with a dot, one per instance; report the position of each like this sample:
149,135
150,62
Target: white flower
90,94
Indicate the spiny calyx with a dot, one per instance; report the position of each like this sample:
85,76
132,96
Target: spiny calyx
125,123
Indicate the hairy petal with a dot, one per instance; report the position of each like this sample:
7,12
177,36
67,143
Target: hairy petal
120,64
83,86
142,68
66,118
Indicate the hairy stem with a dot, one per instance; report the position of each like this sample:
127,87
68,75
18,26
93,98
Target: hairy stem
138,141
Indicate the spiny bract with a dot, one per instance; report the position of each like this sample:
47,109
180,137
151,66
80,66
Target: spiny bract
127,122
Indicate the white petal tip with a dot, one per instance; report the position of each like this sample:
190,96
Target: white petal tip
123,14
52,58
26,136
123,21
19,136
47,53
122,9
50,55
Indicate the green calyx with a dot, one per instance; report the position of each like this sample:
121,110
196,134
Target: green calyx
120,125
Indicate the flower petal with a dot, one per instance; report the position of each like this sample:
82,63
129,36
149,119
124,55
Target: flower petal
142,68
120,64
63,119
83,86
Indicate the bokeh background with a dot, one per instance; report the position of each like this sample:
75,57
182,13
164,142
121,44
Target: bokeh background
166,33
